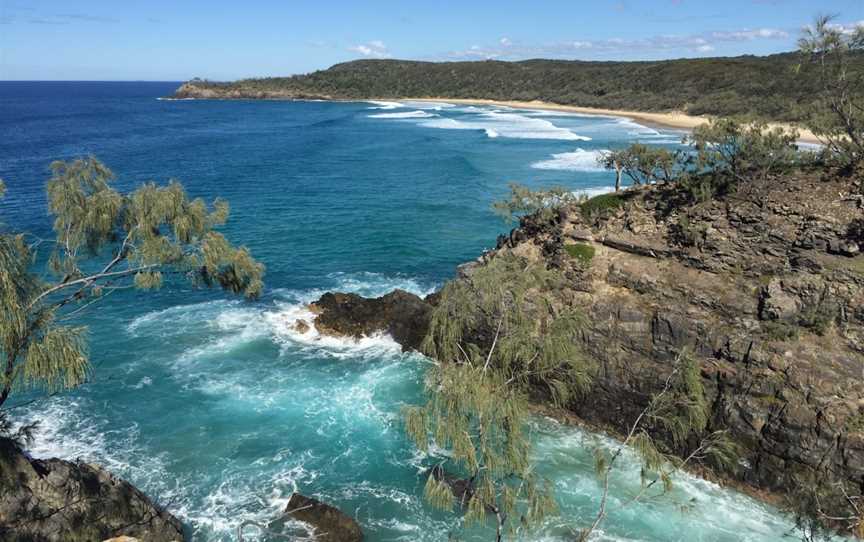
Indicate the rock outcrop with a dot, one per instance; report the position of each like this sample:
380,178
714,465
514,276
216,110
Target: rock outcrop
403,315
764,286
329,524
53,500
215,91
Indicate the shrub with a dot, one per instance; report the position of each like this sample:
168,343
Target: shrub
838,119
644,164
601,204
780,331
524,201
582,252
742,151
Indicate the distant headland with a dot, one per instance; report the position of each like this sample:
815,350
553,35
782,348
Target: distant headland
767,87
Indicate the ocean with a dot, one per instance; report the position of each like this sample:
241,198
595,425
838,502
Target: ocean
216,406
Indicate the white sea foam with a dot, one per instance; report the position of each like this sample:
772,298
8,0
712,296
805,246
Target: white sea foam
221,328
578,160
385,105
591,191
435,106
403,115
495,123
284,325
555,113
233,327
180,316
450,124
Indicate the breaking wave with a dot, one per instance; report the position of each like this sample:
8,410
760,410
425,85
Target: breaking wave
578,160
403,115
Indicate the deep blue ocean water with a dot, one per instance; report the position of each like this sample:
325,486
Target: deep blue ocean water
216,406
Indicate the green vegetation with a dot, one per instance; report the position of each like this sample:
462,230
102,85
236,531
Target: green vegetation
822,504
644,164
104,241
580,251
838,113
762,87
543,204
724,153
601,204
856,423
477,395
680,411
780,331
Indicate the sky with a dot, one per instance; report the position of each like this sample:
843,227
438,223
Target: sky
175,40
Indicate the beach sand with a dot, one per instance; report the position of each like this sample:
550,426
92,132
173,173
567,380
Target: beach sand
677,120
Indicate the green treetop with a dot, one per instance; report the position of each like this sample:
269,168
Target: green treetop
103,240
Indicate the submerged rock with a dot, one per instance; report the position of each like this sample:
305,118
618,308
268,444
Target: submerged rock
52,500
462,488
403,315
330,523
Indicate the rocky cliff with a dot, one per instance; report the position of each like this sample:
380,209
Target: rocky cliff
765,286
239,91
60,501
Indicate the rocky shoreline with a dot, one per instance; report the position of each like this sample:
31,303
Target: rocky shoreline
765,287
52,500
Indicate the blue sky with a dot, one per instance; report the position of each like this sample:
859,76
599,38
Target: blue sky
180,39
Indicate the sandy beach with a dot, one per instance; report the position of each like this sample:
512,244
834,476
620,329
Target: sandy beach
673,119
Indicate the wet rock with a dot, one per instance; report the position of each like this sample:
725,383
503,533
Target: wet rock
403,315
301,326
330,523
52,500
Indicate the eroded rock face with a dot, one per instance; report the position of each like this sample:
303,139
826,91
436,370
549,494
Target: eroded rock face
754,284
758,286
330,523
403,315
53,500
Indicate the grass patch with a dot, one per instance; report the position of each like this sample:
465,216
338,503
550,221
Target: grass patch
855,423
581,252
780,331
601,204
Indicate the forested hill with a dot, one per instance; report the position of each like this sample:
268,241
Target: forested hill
770,87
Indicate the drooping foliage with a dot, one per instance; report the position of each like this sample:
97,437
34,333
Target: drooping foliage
834,53
506,298
104,240
543,204
496,339
680,412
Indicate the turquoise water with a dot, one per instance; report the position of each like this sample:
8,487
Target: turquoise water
215,406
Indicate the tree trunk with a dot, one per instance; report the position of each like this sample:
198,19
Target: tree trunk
617,176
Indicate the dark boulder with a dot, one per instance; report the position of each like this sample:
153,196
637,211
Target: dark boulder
52,500
330,523
403,315
462,488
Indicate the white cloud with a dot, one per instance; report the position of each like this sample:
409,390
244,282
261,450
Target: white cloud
694,43
747,35
374,49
